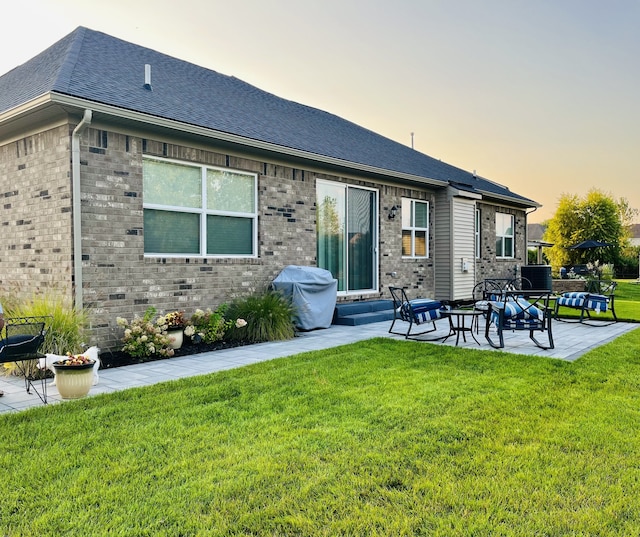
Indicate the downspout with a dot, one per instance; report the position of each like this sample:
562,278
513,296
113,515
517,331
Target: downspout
77,216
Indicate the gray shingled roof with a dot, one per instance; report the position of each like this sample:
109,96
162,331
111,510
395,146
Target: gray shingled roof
95,66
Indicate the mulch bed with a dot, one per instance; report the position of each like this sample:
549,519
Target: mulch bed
112,359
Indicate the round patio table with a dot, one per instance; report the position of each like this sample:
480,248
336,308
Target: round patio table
459,326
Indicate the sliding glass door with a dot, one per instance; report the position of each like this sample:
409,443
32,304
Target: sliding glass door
347,240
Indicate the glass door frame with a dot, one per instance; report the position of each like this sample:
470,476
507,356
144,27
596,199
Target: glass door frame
374,226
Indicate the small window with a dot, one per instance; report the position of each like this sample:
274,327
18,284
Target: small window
477,234
415,228
198,210
504,235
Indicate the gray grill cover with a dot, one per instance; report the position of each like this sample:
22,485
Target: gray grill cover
313,292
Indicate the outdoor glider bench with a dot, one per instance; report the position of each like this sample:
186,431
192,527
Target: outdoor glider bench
416,312
526,310
588,302
21,343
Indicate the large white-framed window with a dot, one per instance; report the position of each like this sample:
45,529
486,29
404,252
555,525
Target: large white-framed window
504,235
198,211
477,233
415,228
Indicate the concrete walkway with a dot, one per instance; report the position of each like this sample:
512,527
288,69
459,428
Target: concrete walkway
572,340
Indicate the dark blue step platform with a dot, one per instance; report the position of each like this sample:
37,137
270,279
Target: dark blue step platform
364,312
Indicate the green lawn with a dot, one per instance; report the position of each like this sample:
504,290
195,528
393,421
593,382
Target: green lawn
383,437
628,290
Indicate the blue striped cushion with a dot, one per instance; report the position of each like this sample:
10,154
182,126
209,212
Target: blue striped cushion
596,303
519,314
521,309
424,310
522,324
427,316
483,305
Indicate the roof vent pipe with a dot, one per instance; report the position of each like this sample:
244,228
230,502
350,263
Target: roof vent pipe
147,76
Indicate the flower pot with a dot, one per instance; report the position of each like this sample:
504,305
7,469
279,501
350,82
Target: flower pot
74,381
177,335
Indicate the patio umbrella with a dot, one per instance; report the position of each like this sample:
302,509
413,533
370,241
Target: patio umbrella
587,245
586,256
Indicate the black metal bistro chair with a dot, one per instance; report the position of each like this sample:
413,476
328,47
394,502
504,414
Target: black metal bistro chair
416,312
520,310
21,342
492,289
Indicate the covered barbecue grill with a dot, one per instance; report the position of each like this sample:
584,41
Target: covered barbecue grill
313,292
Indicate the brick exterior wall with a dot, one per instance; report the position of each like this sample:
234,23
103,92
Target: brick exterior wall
417,275
35,191
488,266
118,281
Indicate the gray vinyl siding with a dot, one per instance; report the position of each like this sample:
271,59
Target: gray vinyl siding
463,248
443,242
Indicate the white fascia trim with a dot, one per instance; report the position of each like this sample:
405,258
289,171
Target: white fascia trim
66,100
507,199
33,104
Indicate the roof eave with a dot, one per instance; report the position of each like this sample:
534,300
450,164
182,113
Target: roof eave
140,117
25,108
80,104
522,202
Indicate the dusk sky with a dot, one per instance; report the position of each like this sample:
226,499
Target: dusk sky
539,95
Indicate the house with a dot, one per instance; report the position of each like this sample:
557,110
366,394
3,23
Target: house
536,231
634,232
133,179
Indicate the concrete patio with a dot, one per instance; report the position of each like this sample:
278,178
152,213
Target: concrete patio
572,340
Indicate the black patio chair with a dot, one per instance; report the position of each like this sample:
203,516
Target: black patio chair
494,289
416,312
23,337
524,309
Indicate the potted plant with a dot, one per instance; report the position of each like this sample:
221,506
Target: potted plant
173,323
74,375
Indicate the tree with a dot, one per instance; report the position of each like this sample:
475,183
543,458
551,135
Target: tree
597,216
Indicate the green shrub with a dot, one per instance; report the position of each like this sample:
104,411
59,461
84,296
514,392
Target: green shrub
268,315
207,326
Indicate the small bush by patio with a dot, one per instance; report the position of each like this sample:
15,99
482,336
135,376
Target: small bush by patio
268,314
145,336
208,326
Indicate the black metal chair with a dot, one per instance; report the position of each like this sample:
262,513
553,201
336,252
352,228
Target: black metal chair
23,337
415,312
520,310
492,289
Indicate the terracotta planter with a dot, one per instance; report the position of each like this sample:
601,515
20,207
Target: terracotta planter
74,381
178,335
